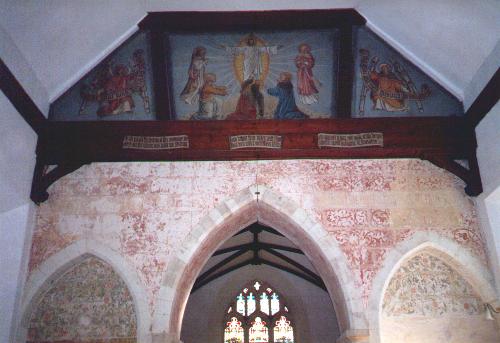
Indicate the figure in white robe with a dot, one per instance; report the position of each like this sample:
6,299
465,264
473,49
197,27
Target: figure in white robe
252,57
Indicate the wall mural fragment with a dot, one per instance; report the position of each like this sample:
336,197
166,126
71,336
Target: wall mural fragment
426,286
119,88
88,303
388,85
254,75
143,209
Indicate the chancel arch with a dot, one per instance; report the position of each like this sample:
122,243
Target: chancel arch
255,204
85,292
429,282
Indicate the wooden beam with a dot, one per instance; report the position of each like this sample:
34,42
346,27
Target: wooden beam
345,73
281,247
20,99
162,97
293,263
200,283
222,263
250,20
209,140
319,283
485,101
230,249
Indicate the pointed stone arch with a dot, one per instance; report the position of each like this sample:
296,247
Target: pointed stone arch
454,255
43,278
256,203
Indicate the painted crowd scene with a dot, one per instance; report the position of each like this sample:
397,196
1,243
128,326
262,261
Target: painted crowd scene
248,76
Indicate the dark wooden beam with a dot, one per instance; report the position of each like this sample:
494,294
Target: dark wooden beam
250,20
281,247
485,101
73,142
345,73
293,263
162,98
230,249
209,140
319,283
201,282
222,263
20,99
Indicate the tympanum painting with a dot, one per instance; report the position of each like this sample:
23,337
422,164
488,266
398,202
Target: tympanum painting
254,75
388,85
119,88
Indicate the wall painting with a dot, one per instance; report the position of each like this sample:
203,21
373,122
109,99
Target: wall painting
119,88
387,85
254,75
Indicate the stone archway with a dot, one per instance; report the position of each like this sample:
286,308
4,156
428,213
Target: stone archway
257,203
42,278
469,267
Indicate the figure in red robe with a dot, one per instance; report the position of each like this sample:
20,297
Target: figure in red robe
116,97
308,93
250,102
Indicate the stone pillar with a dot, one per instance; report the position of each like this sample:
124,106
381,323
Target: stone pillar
354,336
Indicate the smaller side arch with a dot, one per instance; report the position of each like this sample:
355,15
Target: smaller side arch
468,266
51,269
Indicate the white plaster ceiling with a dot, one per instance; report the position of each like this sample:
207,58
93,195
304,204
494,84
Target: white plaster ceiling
455,41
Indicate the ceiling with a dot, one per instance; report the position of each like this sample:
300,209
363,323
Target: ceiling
454,41
258,245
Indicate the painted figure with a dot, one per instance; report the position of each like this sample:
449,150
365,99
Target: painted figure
190,93
113,86
116,96
252,57
209,104
286,108
390,91
250,102
308,93
391,88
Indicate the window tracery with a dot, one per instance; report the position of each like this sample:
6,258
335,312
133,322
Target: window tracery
260,317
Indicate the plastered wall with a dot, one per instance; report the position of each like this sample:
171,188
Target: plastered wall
371,210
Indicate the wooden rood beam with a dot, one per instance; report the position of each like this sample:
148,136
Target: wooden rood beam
15,92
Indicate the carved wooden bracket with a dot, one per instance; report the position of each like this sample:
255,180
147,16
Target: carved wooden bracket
42,178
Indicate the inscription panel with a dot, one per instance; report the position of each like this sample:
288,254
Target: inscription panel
155,142
255,141
350,140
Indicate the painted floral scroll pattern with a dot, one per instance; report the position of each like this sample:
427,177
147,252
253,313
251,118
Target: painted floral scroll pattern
89,302
426,286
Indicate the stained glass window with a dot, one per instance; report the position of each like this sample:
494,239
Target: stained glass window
258,315
240,304
275,303
283,331
259,332
251,305
234,332
264,303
